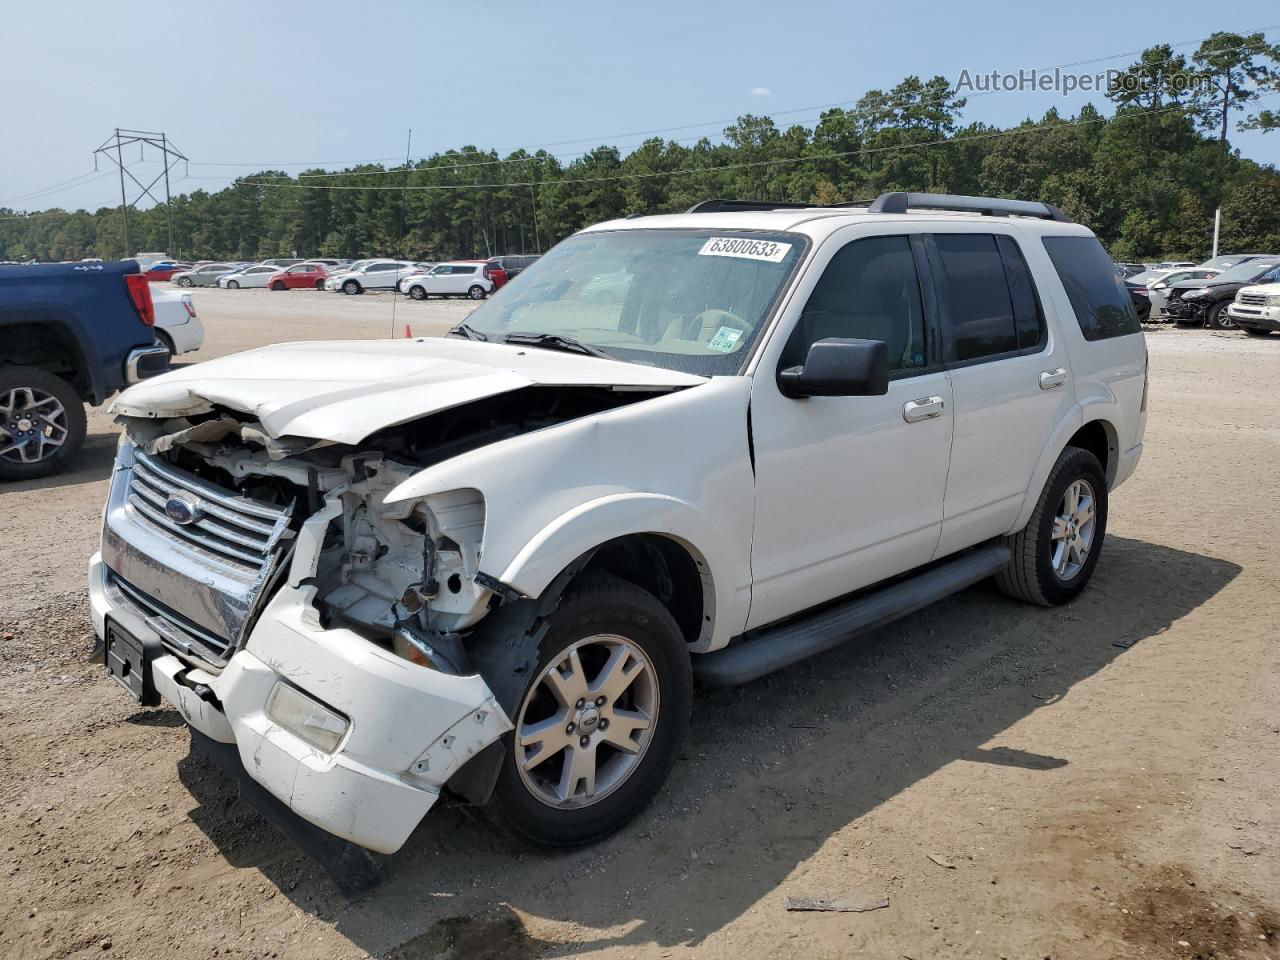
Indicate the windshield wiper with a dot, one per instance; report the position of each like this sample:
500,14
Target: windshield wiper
556,341
468,331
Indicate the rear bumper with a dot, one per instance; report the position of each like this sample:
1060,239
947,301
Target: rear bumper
1127,464
144,362
411,728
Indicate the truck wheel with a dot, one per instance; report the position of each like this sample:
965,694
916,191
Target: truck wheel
1218,317
42,423
351,288
1054,555
602,719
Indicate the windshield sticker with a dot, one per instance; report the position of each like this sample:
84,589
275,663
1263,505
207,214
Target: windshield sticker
745,248
724,339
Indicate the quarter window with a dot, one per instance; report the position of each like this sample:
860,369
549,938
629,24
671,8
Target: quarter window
1099,298
869,291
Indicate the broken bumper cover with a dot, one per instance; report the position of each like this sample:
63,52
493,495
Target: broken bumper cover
410,727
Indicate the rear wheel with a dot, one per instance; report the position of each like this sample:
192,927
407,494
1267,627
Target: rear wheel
1218,317
476,292
1054,555
417,292
42,423
602,719
351,288
164,337
319,284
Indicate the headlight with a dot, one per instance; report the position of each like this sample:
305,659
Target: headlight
306,718
1273,301
1193,294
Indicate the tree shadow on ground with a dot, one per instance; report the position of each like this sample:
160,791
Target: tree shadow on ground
771,770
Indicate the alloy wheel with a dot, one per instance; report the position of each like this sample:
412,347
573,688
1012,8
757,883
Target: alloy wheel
586,722
1074,526
33,425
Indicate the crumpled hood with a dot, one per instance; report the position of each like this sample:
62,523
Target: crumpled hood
344,390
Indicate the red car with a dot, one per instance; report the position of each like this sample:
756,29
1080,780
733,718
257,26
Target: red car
309,276
495,271
164,271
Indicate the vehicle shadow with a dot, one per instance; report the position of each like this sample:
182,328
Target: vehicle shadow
91,464
770,772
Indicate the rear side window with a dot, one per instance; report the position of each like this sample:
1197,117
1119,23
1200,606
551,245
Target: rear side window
976,296
1099,298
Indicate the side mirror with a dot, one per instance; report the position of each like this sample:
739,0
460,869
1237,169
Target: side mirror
837,367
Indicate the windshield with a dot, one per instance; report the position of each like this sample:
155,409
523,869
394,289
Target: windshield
1249,270
690,300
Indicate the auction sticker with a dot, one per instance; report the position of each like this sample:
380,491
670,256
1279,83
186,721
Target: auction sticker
746,248
724,339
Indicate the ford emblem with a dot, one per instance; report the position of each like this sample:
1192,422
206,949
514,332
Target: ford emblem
182,509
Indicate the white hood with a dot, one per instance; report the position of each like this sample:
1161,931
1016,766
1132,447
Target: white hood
1261,289
344,390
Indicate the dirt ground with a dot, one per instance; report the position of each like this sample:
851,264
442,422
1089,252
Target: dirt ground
1095,781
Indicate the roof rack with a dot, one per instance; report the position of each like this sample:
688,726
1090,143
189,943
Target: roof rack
987,206
900,203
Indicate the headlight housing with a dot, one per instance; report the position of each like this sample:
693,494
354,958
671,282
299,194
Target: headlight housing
306,718
1273,301
1196,293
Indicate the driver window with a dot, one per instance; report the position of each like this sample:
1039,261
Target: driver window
869,291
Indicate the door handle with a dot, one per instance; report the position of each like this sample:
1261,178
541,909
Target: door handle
926,408
1052,378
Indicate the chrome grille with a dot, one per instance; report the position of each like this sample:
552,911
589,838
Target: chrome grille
1252,299
176,630
229,528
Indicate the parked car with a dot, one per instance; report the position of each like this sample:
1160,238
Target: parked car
309,276
515,263
1127,270
462,278
70,334
258,275
1141,303
282,262
1256,309
1173,264
1194,302
373,275
329,263
177,325
1161,280
1229,260
355,652
202,275
158,272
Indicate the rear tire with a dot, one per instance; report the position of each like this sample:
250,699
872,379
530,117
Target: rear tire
319,284
476,292
1218,318
164,337
568,703
1034,573
34,402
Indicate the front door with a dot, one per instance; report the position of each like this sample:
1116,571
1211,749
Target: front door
849,489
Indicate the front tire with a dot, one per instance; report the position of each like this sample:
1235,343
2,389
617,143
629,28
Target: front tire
351,288
1218,317
601,721
233,284
417,292
184,281
42,423
278,285
1055,554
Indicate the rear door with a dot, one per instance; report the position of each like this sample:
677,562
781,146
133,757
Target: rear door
1011,381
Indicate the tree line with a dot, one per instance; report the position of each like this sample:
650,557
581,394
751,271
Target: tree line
1146,179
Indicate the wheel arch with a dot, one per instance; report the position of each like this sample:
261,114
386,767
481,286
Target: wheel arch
1090,429
51,345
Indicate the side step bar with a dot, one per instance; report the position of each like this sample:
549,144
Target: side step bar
773,648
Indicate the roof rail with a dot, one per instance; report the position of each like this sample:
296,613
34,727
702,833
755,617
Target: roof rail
728,206
988,206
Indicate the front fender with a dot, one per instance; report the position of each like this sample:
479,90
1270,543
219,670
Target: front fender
589,525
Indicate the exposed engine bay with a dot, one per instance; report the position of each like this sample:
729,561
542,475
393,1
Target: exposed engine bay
405,574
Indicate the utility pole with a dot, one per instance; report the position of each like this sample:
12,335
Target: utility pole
113,149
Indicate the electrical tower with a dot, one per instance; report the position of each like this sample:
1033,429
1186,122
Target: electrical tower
113,149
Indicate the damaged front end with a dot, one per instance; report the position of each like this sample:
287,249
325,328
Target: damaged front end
289,609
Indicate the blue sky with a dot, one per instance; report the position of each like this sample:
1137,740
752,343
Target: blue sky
244,86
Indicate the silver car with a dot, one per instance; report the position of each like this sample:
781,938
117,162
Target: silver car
203,276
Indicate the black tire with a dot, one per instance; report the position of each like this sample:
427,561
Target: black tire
417,293
164,337
1256,332
601,604
1217,318
233,284
319,284
278,285
73,420
184,281
1030,575
476,292
351,288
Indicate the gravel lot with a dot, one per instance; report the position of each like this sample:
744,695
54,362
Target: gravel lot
1093,781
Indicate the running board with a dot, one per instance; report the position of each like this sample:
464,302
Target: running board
773,648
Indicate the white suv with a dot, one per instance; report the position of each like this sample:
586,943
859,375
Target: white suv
371,275
1256,309
494,563
458,278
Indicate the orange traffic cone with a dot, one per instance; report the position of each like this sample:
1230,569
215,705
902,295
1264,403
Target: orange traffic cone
408,334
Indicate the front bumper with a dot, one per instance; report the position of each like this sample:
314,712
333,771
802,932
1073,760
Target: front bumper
1255,318
1183,309
411,728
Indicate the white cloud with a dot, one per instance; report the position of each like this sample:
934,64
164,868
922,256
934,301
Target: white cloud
761,92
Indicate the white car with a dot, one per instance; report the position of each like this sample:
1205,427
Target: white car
177,325
459,278
370,275
1157,284
494,563
257,275
1256,309
205,275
